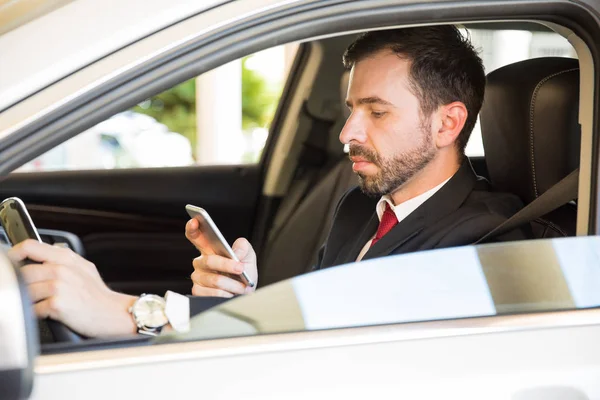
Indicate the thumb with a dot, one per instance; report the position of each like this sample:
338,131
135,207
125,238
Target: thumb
195,236
191,229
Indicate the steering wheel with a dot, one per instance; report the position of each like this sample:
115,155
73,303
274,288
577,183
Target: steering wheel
56,332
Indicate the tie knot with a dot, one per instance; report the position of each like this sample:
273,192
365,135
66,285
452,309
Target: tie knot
388,221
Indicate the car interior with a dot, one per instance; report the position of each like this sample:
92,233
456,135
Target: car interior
130,223
525,155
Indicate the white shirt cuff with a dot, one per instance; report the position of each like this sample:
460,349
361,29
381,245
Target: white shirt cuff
177,311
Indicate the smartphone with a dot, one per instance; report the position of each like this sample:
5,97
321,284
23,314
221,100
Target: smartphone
16,221
215,238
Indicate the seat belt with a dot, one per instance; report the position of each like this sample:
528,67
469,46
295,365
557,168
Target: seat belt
558,195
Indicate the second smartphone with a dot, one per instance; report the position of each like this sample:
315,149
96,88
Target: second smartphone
215,238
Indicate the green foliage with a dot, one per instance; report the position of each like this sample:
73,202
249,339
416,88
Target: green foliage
259,99
176,107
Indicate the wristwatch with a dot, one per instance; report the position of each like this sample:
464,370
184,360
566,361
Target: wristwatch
149,314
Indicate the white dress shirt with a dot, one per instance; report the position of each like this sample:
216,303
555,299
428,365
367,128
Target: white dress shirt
402,210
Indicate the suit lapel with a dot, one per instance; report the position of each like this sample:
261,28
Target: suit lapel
445,201
350,252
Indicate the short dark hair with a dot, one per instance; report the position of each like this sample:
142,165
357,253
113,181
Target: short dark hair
445,67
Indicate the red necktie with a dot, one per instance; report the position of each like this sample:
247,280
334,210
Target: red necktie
388,221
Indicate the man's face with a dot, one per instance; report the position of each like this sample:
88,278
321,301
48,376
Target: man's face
390,140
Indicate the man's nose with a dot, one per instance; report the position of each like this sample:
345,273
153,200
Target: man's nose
353,130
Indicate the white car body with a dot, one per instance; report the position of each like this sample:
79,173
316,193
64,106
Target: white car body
488,355
532,355
95,30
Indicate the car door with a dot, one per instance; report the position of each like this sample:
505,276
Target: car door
469,322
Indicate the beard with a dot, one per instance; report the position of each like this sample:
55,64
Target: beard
393,171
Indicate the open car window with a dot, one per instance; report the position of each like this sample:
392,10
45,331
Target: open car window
221,117
463,282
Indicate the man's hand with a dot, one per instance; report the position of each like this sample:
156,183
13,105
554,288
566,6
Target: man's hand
212,273
66,287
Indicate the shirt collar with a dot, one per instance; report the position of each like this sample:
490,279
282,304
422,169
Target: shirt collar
403,210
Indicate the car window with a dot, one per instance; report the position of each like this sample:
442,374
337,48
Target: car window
463,282
223,116
502,47
219,118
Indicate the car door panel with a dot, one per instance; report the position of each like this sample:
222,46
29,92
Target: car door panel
132,222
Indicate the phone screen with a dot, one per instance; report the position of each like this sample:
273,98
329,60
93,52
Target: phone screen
16,222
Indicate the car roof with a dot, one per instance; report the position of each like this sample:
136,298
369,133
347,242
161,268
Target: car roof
43,42
47,41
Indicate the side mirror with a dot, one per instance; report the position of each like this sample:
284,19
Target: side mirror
19,343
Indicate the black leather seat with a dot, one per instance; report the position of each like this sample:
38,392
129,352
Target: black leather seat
531,133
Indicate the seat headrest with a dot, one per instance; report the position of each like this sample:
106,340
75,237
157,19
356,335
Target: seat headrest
529,123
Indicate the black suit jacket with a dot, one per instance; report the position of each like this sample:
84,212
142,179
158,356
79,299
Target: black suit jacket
460,213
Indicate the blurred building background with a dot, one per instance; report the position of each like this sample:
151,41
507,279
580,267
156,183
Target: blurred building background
223,116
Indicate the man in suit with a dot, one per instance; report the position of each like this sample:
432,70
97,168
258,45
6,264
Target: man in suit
414,96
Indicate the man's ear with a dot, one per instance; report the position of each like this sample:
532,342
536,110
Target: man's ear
452,119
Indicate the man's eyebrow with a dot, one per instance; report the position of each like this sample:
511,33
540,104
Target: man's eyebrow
371,100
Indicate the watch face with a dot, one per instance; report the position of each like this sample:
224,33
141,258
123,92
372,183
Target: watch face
150,311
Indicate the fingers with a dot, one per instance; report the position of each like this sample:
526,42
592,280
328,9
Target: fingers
67,288
53,308
217,281
46,280
29,249
43,290
33,273
42,252
210,292
218,264
47,309
245,253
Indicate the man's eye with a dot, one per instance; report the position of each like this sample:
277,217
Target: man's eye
378,114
